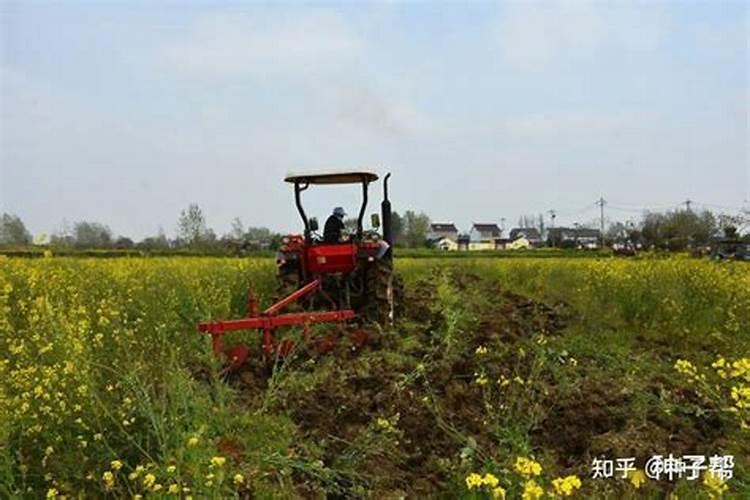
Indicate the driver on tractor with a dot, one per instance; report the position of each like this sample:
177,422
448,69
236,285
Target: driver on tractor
334,226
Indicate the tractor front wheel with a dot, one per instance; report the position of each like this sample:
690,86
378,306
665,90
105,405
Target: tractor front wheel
287,282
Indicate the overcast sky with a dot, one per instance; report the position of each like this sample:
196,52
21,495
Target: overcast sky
125,112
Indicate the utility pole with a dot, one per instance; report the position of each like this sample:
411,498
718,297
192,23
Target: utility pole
551,236
688,202
601,204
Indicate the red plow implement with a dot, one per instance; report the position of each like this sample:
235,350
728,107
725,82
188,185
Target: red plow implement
267,321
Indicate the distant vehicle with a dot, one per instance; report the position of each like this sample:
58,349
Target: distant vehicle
624,249
734,249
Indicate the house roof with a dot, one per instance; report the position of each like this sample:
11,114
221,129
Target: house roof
443,226
493,229
585,232
531,233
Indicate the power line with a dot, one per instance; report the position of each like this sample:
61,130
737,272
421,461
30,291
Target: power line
649,206
632,210
576,212
723,207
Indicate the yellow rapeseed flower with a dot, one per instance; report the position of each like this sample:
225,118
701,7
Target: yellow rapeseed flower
532,491
109,480
52,493
498,493
714,484
741,369
116,465
527,467
473,480
192,442
741,396
490,480
566,486
149,480
218,461
173,489
238,479
637,478
685,367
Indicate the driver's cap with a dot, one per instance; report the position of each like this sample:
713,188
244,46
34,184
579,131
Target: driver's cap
339,211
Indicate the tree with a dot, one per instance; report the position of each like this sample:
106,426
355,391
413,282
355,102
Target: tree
678,230
191,227
530,221
13,231
124,242
397,227
259,234
617,232
540,225
729,224
158,242
415,228
91,235
238,230
63,237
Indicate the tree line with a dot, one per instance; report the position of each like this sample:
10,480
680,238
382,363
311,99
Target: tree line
670,230
192,232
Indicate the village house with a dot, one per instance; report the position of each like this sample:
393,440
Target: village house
439,230
531,234
443,236
444,243
484,236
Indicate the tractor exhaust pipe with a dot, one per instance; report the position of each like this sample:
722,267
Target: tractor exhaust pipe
385,209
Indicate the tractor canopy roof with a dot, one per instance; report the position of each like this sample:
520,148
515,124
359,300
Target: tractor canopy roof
333,177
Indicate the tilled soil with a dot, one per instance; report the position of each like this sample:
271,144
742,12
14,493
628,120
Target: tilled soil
438,421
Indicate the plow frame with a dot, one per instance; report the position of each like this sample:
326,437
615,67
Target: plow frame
270,319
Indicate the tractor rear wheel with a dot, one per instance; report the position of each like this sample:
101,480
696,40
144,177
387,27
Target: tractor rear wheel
380,292
398,296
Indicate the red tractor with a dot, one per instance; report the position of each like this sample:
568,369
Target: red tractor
325,282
